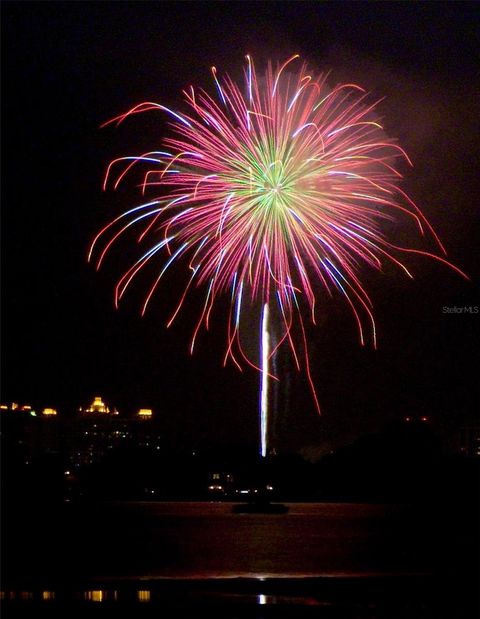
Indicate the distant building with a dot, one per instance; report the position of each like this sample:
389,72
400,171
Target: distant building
470,441
100,429
27,434
98,406
14,407
80,439
220,483
49,412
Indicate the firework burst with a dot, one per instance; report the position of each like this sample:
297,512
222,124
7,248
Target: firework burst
273,193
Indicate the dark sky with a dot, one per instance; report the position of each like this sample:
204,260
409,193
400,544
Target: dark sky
68,67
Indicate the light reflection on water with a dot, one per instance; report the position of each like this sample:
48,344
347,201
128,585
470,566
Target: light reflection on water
143,596
89,595
403,600
100,595
149,540
144,549
95,596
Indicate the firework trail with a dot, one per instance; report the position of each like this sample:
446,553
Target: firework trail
274,193
265,354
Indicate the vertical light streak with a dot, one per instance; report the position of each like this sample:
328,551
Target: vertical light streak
264,384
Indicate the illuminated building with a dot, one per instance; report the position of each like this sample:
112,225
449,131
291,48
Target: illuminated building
97,406
14,406
75,440
220,483
18,409
27,434
101,430
470,441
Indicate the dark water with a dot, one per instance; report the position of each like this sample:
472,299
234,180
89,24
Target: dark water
207,540
366,560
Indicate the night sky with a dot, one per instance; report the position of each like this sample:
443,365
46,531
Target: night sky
68,67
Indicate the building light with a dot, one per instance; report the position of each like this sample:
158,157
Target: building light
423,418
48,595
145,413
26,407
94,596
26,595
14,406
97,406
49,411
3,407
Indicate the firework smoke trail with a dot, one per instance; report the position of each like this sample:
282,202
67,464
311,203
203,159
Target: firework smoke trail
274,193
